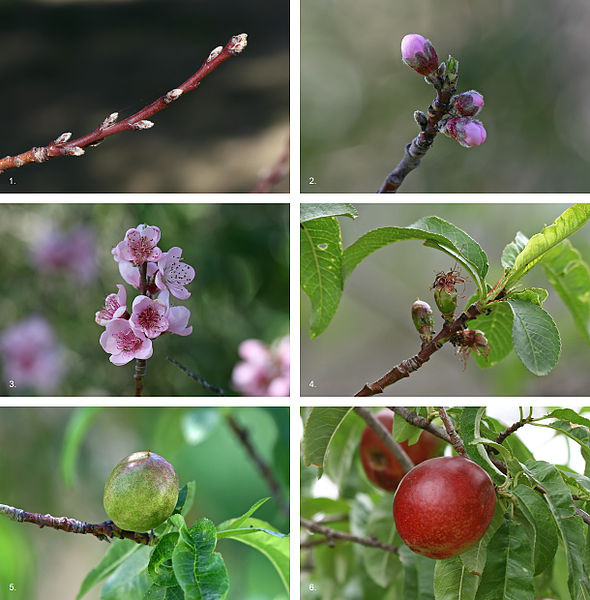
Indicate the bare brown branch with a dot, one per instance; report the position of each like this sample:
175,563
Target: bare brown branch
452,433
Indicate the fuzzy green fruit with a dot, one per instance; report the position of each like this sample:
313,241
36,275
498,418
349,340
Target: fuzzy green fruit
141,492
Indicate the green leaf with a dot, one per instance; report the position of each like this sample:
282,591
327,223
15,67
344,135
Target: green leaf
537,513
571,528
330,506
186,497
117,554
568,414
308,212
199,570
580,435
453,581
497,327
160,565
508,574
435,233
320,428
565,225
321,269
535,337
274,547
418,575
344,448
513,249
130,580
404,431
239,521
570,276
474,559
78,424
533,295
164,593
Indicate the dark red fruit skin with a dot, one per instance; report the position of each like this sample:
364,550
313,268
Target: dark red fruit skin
443,506
381,466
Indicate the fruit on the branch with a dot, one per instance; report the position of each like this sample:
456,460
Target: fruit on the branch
443,506
381,467
141,492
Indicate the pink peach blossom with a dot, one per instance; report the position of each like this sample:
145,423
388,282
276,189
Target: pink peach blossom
174,275
139,245
114,306
419,54
148,316
123,343
177,316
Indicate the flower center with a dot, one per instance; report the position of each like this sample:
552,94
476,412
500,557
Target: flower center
148,318
127,341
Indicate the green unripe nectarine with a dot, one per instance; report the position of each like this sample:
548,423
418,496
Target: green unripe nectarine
141,492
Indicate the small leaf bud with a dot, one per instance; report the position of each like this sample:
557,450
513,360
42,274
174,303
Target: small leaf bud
63,138
419,54
423,320
468,104
109,120
465,130
421,119
74,151
145,124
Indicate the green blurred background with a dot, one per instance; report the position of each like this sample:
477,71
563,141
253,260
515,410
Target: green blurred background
241,289
372,329
45,564
527,57
67,64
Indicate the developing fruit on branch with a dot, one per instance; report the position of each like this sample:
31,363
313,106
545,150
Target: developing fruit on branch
419,54
444,506
465,130
381,467
445,293
423,320
141,492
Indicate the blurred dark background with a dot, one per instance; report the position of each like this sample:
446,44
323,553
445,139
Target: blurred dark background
65,66
41,472
241,289
372,329
527,57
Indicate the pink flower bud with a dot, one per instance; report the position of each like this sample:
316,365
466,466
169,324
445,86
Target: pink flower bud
419,54
467,131
468,104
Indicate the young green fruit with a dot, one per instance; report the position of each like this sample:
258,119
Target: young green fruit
443,506
381,467
141,492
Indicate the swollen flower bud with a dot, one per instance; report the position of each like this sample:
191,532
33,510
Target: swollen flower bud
423,320
468,104
465,130
419,54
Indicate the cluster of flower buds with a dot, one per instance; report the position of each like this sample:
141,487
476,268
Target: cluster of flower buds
419,54
423,320
264,370
144,266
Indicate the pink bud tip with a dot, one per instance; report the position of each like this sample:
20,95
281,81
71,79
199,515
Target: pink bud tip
419,54
468,132
468,104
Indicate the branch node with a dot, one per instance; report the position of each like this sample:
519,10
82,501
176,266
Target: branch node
18,162
40,152
173,95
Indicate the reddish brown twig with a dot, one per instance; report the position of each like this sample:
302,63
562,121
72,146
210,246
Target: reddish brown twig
514,427
103,531
419,146
452,432
63,146
418,421
275,173
141,363
333,534
404,368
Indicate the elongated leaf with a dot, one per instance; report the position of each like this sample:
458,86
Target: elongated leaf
453,581
274,547
535,337
343,448
418,575
186,497
571,528
239,521
432,231
130,580
536,511
157,592
160,565
513,249
497,327
117,554
474,559
320,427
568,414
580,435
533,295
565,225
199,570
78,425
321,269
570,276
308,212
508,574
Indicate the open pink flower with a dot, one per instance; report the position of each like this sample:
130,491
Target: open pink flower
114,306
32,356
264,370
149,316
174,275
177,316
123,343
139,245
